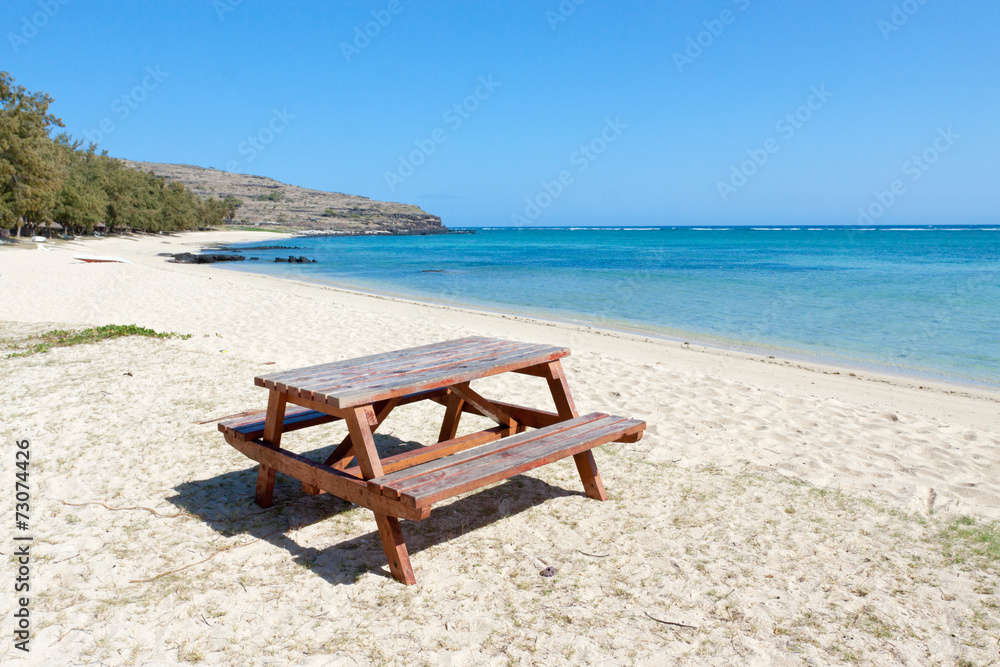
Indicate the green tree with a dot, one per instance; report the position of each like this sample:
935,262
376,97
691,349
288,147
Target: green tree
82,202
31,168
232,203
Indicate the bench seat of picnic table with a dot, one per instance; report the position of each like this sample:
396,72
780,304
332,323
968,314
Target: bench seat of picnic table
251,426
424,484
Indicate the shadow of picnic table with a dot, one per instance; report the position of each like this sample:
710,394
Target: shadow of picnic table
225,503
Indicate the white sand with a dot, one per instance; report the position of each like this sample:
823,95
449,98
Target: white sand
788,511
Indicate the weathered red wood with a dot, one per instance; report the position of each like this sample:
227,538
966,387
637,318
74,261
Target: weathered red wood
317,406
273,422
370,360
399,480
541,371
351,489
252,427
353,375
452,414
341,457
560,390
443,377
363,392
348,371
485,407
429,488
521,448
523,415
432,452
395,548
586,464
509,462
257,417
356,382
371,384
388,526
364,443
348,367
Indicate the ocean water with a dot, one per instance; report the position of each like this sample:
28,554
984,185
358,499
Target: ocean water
918,301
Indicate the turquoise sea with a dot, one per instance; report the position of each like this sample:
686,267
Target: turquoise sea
922,301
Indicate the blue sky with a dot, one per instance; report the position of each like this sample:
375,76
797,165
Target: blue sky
646,113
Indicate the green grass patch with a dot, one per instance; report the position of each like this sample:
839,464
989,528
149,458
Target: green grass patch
965,539
64,338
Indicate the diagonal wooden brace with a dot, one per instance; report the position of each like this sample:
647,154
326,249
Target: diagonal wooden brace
486,407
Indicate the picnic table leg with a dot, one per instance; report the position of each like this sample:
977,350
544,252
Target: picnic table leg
274,421
358,423
395,548
343,454
586,465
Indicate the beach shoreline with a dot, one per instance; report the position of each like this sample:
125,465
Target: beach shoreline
684,341
681,299
840,381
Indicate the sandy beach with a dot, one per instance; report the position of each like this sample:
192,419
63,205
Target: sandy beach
776,511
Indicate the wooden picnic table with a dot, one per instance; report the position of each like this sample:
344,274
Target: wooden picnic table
364,391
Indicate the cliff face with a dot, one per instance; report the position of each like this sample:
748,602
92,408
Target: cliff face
272,203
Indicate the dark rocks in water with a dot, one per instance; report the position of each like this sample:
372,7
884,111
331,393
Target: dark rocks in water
432,271
191,258
295,260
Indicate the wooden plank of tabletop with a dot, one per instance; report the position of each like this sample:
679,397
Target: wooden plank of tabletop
363,363
376,389
370,372
355,382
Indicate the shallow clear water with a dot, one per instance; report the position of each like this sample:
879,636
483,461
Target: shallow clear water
923,301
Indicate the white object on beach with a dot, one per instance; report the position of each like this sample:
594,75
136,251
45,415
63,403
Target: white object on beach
38,239
97,259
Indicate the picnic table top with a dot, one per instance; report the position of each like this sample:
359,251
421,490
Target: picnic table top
362,381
